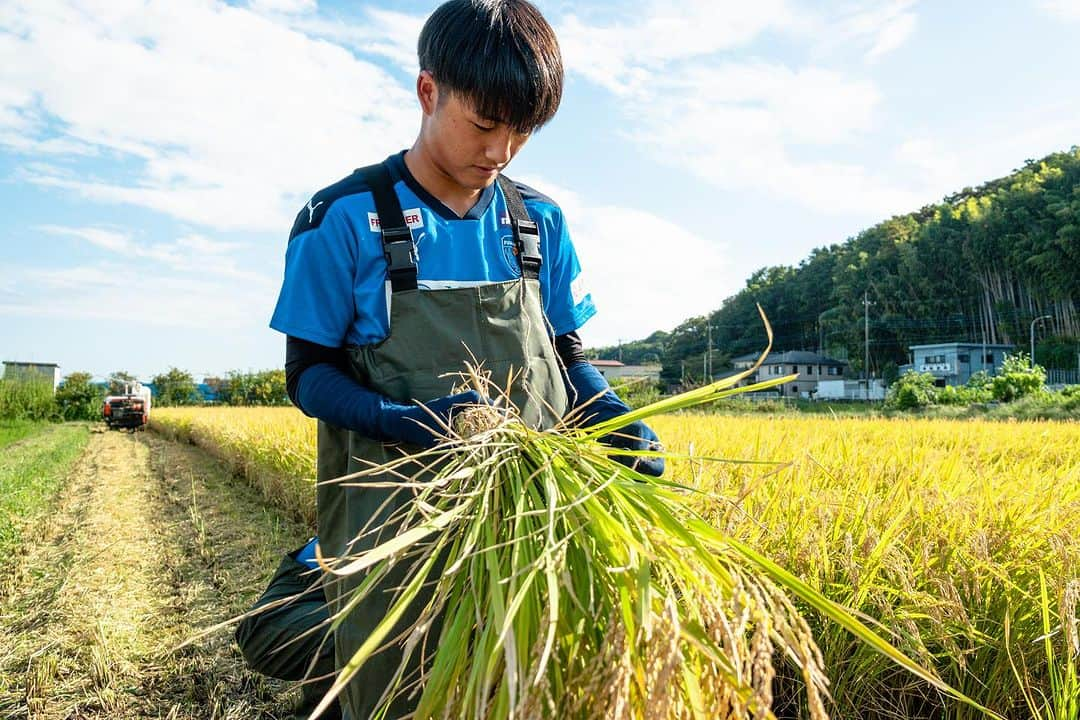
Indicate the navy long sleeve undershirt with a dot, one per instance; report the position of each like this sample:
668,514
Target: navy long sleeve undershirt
318,382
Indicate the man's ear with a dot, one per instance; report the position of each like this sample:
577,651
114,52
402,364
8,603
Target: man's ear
427,91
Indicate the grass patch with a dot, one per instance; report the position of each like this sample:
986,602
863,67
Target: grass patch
27,400
14,430
793,406
31,475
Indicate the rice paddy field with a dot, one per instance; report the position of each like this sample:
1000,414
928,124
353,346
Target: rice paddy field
956,540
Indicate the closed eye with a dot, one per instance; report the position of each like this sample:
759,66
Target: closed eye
485,128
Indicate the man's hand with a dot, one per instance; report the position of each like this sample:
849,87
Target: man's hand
415,424
585,384
637,436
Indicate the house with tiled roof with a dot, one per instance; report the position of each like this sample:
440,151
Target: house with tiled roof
810,367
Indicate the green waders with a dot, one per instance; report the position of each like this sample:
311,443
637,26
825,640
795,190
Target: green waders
286,639
432,332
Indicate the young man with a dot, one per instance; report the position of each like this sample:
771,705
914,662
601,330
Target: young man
399,273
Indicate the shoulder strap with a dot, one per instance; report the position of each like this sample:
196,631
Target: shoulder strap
396,236
526,234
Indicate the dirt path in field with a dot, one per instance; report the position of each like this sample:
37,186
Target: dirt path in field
150,542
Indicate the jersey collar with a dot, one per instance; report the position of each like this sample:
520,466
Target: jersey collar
400,171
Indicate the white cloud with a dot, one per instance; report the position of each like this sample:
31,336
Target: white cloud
1068,10
935,162
892,36
111,240
189,253
738,126
880,27
55,146
749,124
644,272
809,105
233,117
290,7
623,57
383,33
113,292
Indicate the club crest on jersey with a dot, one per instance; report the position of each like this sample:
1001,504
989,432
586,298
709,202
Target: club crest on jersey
510,254
413,218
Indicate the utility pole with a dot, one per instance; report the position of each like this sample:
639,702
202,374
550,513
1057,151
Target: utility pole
866,341
709,351
620,349
982,358
1032,331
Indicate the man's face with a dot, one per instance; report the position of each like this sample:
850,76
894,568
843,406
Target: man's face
469,149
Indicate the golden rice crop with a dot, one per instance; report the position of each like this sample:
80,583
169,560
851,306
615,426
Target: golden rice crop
943,531
551,554
273,448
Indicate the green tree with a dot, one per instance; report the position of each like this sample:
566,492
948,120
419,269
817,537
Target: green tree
265,387
78,398
911,391
1058,352
1018,378
637,393
175,387
27,398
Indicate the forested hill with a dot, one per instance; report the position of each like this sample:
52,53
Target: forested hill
978,267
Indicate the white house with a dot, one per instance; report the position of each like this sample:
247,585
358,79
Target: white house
850,390
811,369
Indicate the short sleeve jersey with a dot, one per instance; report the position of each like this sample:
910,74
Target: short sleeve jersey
336,292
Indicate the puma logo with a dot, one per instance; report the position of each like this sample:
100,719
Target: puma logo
311,209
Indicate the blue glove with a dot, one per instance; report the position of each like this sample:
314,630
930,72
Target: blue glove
328,393
637,436
413,424
583,383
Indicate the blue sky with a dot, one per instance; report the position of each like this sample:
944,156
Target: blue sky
153,154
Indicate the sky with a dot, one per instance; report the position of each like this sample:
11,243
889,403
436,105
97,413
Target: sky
154,154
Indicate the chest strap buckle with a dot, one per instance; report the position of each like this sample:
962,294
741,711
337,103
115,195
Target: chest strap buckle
398,248
528,238
400,258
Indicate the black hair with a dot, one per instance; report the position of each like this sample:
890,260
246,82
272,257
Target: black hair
501,56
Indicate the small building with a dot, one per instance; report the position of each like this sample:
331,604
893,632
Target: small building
954,363
28,371
850,390
612,369
810,367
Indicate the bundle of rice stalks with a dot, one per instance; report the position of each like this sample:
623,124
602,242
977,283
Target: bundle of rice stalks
571,586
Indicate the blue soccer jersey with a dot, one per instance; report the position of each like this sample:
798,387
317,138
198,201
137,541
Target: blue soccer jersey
336,292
